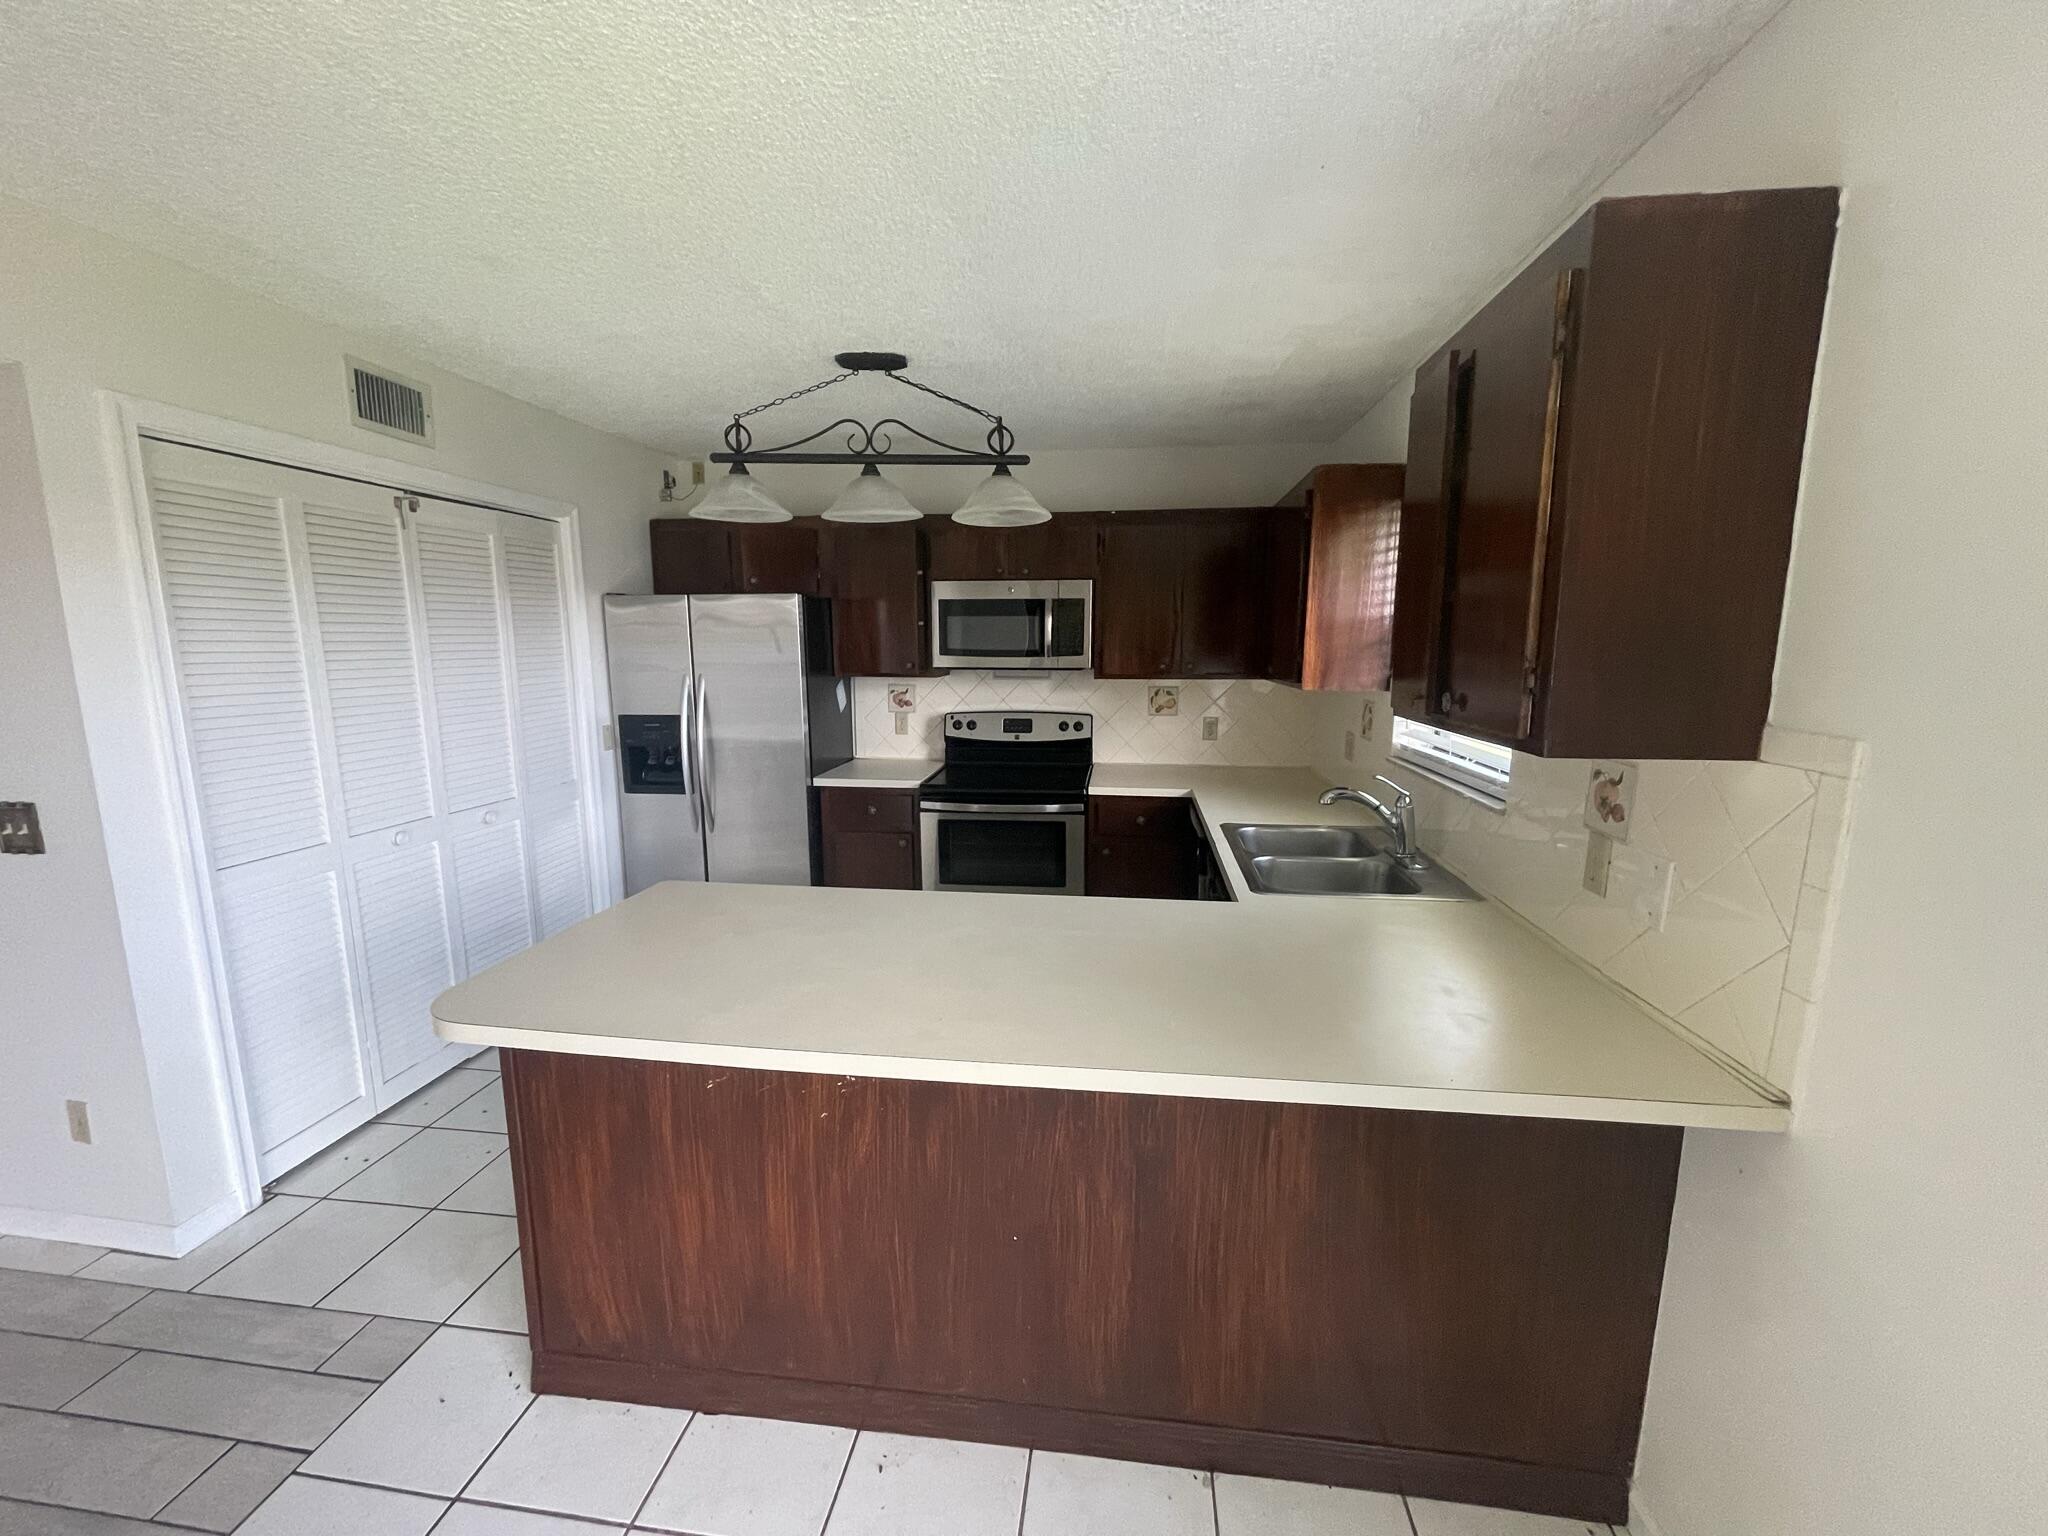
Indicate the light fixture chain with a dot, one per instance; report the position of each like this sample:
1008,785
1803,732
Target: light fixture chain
797,394
952,399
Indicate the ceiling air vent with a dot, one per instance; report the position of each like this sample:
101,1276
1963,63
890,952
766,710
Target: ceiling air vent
384,402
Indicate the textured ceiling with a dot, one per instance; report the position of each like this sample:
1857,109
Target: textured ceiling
1120,222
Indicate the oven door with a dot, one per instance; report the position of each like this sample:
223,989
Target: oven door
998,624
1029,849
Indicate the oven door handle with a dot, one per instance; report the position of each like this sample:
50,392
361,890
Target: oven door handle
931,807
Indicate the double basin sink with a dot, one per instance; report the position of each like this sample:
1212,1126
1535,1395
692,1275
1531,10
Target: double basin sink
1333,861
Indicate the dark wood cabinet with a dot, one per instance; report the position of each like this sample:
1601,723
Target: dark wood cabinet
1333,571
691,555
1060,550
1184,593
1604,464
1141,846
776,557
869,837
875,578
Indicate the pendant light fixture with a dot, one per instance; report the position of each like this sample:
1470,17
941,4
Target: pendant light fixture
872,497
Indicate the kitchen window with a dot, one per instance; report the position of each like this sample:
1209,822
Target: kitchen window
1467,764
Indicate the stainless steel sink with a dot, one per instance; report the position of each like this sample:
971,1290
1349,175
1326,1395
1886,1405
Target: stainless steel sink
1333,861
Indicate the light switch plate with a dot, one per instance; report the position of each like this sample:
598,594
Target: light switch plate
902,724
1209,725
1653,891
80,1122
1599,864
1350,746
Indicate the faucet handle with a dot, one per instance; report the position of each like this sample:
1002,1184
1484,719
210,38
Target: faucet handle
1402,798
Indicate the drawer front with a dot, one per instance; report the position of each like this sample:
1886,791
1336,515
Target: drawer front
868,810
1137,816
884,861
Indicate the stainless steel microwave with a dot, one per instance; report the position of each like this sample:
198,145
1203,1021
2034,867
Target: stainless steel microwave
1021,624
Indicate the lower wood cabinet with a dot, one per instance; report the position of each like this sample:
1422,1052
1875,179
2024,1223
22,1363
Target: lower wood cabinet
1139,846
869,837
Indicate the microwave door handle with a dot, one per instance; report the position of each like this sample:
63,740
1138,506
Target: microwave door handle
1045,644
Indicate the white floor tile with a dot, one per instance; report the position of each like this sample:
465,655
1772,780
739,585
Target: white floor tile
575,1456
439,1416
740,1476
1265,1506
52,1258
1433,1518
327,1171
305,1506
489,1192
308,1257
426,1170
432,1269
906,1485
438,1097
488,1520
500,1302
482,1111
1091,1496
182,1274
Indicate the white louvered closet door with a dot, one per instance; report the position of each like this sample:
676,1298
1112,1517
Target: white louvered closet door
378,722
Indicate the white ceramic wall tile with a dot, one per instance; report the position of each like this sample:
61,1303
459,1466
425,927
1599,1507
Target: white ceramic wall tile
1258,724
739,1476
1754,848
1264,1506
906,1485
1090,1496
577,1456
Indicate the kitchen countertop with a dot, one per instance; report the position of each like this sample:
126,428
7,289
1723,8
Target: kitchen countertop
878,773
1390,1003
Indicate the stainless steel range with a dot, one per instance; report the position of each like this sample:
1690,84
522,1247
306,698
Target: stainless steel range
1009,810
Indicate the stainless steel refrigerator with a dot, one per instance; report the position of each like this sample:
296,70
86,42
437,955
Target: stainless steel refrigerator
725,709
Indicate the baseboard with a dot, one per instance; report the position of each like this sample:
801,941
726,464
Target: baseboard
1567,1491
153,1238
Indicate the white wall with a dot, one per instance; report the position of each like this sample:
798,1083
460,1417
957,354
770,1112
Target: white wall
1853,1337
119,1015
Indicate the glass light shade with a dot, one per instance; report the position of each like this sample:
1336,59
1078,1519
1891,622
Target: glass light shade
872,497
1000,502
737,499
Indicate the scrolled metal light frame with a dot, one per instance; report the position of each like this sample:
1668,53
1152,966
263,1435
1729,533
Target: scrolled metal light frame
869,443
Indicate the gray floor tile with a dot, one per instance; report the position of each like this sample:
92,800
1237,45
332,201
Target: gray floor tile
117,1469
489,1191
303,1261
305,1506
576,1456
432,1269
740,1476
487,1520
232,1487
381,1348
209,1256
1265,1506
43,1520
61,1304
328,1171
432,1424
483,1111
228,1328
499,1303
1095,1496
46,1255
294,1409
906,1485
36,1372
429,1168
438,1097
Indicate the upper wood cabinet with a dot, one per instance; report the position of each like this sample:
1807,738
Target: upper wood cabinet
1603,467
1060,550
1184,593
1333,569
693,555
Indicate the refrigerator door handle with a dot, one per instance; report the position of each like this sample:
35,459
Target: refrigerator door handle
704,756
691,791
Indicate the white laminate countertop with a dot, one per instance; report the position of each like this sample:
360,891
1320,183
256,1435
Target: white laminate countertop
1391,1003
878,773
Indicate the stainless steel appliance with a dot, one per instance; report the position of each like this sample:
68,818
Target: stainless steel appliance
725,708
1009,810
1033,624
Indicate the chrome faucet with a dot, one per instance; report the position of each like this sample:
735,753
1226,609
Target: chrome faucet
1399,820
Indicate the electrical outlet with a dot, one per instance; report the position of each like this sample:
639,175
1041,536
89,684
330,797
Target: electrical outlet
81,1122
696,471
21,831
1653,892
902,724
1350,745
1599,863
1209,725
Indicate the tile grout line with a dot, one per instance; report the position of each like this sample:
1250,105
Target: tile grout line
641,1508
1215,1510
1024,1498
1408,1513
277,1186
517,1419
825,1527
344,1280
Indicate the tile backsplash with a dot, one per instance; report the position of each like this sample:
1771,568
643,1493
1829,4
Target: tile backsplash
1756,854
1258,724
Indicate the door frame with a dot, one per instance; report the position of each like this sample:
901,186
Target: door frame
129,420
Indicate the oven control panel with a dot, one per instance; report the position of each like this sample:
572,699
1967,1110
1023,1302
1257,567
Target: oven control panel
1019,725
